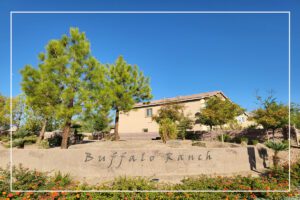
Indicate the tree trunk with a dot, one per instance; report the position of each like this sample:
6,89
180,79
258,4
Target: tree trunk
273,133
276,160
117,137
42,133
268,137
65,135
67,127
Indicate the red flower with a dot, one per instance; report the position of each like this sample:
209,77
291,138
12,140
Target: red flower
10,195
55,194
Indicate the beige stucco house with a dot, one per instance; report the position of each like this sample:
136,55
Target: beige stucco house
138,122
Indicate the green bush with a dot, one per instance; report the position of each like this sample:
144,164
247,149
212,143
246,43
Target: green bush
226,138
44,144
285,142
21,133
62,179
244,139
276,147
18,142
254,142
55,140
4,138
30,139
275,179
167,129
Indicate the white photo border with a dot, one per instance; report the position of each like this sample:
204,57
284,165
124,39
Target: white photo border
151,12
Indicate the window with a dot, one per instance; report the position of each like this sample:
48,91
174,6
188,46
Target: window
145,130
149,112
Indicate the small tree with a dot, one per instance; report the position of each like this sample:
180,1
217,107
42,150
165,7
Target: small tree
184,124
4,112
18,109
174,112
167,129
271,115
277,147
128,86
218,112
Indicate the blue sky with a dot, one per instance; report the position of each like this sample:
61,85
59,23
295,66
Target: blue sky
183,54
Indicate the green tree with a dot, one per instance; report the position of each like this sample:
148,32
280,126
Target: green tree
18,109
41,90
128,86
175,113
218,112
184,124
4,113
172,111
271,114
65,63
97,97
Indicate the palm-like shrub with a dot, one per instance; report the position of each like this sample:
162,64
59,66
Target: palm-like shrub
277,147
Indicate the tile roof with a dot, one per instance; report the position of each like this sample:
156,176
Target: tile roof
179,99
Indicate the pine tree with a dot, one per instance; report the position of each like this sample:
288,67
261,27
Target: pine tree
97,97
42,94
128,86
59,79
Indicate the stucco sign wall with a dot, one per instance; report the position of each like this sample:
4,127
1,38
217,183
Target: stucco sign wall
97,164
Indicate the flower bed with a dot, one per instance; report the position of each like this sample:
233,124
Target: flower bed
25,179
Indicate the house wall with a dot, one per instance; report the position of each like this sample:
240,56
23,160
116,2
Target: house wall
131,124
136,120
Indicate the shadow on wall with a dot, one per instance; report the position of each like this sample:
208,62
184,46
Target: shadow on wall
252,158
263,154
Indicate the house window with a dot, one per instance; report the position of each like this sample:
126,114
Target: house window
241,119
145,130
149,112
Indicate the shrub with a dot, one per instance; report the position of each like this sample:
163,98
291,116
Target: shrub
4,138
285,142
126,183
167,129
244,139
275,179
277,147
254,142
55,140
19,142
226,138
62,179
44,144
184,124
30,139
21,133
199,144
